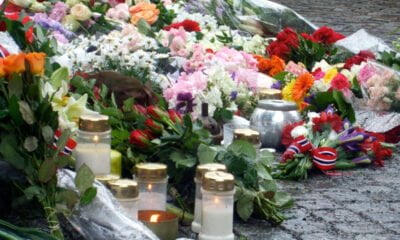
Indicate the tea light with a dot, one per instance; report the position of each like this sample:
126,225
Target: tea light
152,179
94,144
218,189
201,170
249,135
163,224
127,194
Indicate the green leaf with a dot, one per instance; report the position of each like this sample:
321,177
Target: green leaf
63,161
88,196
15,85
128,103
62,140
47,170
268,186
182,160
13,109
26,112
262,172
206,154
58,76
84,178
112,112
68,197
283,200
144,28
9,152
48,134
243,147
245,205
33,191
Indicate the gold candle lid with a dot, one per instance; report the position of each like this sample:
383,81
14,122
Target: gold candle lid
104,179
247,135
218,181
124,188
270,93
94,123
202,169
151,171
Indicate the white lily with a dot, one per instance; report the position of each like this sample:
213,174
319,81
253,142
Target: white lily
70,114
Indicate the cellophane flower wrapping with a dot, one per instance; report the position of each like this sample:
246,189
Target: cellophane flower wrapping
261,17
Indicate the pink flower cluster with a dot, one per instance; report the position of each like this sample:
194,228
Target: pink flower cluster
119,12
176,40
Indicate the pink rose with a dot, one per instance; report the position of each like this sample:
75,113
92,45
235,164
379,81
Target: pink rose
296,69
365,73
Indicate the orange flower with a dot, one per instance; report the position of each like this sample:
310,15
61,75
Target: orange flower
2,71
147,11
303,83
14,63
36,62
271,66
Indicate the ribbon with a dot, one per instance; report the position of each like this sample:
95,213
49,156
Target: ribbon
3,52
69,146
324,158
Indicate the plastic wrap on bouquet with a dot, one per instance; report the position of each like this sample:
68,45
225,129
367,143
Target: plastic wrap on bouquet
103,218
261,17
380,86
379,122
7,44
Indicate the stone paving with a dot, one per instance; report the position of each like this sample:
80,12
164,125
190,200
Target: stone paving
379,17
363,204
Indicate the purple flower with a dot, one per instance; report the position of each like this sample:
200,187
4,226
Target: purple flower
59,37
363,159
277,85
351,139
330,109
185,102
309,99
234,95
45,22
59,11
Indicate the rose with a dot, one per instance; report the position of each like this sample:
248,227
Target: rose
22,3
36,62
289,37
299,131
139,109
119,12
326,35
340,82
154,126
80,12
175,116
140,138
14,63
157,113
71,3
279,49
146,11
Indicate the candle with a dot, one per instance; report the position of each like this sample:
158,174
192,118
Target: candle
116,162
217,206
163,224
152,180
201,170
94,144
95,156
127,194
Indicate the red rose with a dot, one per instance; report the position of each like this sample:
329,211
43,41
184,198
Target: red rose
286,138
326,35
29,34
139,109
175,116
308,37
279,49
289,37
154,126
340,82
157,113
188,25
362,56
140,138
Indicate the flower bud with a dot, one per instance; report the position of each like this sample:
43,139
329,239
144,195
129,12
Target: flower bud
140,138
139,109
154,126
175,116
157,113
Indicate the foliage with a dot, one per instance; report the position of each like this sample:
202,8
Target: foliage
391,59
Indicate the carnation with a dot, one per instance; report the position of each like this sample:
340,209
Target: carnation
188,25
327,35
340,82
362,56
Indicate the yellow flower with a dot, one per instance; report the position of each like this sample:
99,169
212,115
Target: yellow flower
330,74
288,90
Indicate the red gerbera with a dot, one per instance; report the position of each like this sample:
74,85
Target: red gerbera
327,121
286,138
188,25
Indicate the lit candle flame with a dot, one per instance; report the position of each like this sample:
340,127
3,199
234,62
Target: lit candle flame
154,218
216,200
149,187
96,139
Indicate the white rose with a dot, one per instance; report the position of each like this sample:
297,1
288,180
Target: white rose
80,12
71,3
299,131
22,3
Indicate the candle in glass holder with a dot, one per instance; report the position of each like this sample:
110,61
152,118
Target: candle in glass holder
152,179
201,170
218,190
127,194
94,144
163,224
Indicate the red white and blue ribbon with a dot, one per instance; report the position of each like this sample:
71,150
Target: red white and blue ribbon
3,52
69,146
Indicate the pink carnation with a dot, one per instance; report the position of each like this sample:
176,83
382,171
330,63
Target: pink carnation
295,69
178,43
340,82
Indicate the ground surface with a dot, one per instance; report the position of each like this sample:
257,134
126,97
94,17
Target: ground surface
379,17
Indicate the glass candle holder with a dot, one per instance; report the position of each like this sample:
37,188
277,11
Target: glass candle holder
218,189
201,170
127,194
94,144
249,135
152,180
105,179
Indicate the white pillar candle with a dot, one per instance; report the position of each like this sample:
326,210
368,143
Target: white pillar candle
95,155
152,201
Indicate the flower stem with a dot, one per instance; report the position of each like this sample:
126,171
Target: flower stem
52,219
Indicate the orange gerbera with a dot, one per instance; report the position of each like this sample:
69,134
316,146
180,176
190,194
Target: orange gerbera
270,66
303,83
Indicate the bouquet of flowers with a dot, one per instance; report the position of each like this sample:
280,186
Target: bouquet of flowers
326,142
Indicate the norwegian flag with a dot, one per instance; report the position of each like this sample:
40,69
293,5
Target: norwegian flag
69,146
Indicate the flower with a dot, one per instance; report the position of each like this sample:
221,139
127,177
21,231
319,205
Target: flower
146,11
326,35
362,56
14,63
330,74
59,11
22,3
2,70
70,23
119,12
295,69
80,12
139,109
157,113
286,138
36,62
188,25
175,116
140,138
299,131
300,88
279,49
366,73
340,82
287,91
397,96
69,114
327,121
271,66
289,37
154,126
